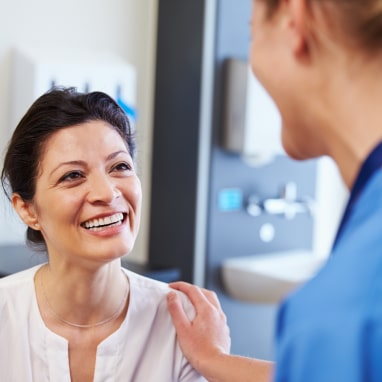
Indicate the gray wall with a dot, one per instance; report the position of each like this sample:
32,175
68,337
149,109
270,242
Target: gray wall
232,234
175,201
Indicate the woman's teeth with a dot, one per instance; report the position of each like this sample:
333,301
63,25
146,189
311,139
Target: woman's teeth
112,220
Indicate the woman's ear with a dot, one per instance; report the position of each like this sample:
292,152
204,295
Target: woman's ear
26,211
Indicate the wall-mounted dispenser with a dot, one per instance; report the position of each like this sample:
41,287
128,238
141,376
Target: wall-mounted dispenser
251,121
37,69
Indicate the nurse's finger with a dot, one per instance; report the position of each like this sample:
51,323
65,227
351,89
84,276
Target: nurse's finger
198,296
178,315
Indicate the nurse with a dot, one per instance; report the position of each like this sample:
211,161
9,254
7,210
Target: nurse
321,63
69,172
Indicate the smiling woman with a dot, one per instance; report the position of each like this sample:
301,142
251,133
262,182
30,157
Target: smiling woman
69,172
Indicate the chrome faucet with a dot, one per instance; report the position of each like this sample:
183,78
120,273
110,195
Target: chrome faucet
287,205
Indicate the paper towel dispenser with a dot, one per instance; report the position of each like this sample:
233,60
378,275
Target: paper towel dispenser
251,122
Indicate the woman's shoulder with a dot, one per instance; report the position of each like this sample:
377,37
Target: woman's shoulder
156,291
138,281
16,280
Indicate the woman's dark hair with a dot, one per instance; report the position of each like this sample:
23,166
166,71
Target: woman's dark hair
57,109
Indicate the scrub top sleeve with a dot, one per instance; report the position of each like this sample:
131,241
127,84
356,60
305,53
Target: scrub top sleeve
373,372
332,350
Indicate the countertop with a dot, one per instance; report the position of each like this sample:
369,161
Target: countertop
15,258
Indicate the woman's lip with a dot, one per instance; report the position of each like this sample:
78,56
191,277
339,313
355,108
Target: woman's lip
104,215
108,221
108,230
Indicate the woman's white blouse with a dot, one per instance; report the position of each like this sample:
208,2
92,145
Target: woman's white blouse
143,349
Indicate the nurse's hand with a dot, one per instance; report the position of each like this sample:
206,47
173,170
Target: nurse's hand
206,342
206,338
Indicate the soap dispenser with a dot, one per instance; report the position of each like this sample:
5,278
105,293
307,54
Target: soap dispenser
251,121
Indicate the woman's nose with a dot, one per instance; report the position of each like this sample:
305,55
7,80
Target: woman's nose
102,189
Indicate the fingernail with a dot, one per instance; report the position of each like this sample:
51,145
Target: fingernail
171,295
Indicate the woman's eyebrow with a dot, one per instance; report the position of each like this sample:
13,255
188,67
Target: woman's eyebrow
115,154
72,163
82,163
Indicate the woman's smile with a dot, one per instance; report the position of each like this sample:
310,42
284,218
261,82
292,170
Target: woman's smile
102,222
106,226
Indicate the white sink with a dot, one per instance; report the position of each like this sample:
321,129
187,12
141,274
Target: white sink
268,278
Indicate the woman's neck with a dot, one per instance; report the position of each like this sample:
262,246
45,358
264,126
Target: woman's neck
82,297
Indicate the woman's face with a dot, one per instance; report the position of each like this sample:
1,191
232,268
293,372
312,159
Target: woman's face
88,196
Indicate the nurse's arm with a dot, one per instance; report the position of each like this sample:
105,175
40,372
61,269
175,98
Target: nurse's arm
205,341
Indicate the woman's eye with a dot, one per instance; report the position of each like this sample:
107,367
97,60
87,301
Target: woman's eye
123,166
71,176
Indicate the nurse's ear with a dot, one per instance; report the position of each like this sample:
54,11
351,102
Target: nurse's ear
26,211
298,16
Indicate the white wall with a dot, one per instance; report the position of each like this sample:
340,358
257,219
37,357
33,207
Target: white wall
332,196
126,28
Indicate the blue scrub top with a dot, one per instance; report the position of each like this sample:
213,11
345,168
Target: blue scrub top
330,330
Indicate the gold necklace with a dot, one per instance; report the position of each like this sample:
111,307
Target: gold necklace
99,323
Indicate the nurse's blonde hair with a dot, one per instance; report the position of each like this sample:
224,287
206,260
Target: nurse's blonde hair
357,21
